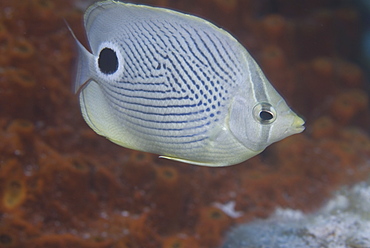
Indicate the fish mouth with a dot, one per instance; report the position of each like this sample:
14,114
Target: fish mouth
298,124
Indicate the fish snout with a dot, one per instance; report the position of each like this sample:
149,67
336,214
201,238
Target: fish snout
298,124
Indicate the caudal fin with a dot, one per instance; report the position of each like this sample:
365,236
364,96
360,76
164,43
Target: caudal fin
84,65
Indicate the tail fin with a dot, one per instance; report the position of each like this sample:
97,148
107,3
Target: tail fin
84,63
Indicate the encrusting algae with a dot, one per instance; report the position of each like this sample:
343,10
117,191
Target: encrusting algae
61,185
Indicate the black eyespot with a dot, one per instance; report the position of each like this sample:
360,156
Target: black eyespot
264,113
108,61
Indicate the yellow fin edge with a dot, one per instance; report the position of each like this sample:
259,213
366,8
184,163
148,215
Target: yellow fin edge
187,161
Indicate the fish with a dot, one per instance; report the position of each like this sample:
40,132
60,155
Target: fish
164,82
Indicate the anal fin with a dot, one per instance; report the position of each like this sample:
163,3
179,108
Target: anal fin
186,161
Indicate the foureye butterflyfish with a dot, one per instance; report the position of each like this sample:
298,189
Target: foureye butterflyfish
173,84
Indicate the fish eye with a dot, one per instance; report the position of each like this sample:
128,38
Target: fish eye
264,113
108,61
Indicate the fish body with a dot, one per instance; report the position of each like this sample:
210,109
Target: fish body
173,84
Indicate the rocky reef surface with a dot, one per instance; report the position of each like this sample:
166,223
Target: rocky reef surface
344,222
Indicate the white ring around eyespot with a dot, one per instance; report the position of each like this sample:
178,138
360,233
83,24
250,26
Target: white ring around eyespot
118,50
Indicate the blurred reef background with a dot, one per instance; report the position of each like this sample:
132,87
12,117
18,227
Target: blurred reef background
61,185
